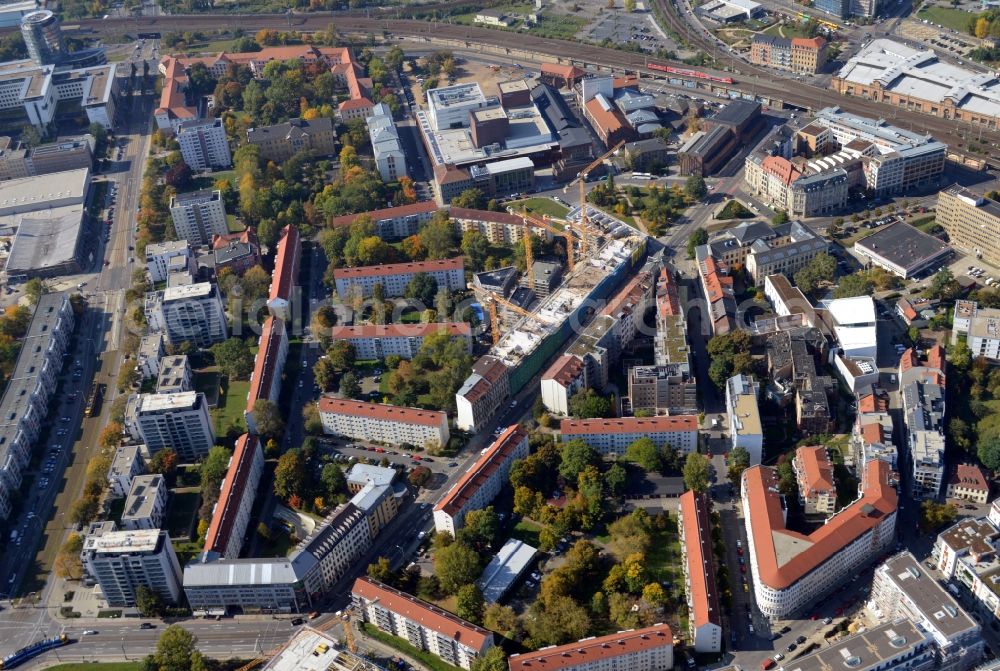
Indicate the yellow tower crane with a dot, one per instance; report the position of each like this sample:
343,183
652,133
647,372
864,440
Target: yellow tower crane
532,220
581,179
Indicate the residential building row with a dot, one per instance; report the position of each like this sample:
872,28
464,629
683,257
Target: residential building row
377,341
698,561
268,365
743,412
383,423
231,513
483,481
24,405
285,277
613,436
788,583
394,277
644,649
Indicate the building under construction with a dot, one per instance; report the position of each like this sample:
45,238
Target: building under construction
613,250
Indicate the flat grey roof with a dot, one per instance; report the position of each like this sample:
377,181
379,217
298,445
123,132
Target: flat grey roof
505,568
867,651
232,572
48,240
903,245
938,608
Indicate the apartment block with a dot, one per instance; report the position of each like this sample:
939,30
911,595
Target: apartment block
192,313
902,588
175,375
285,277
613,436
745,429
645,649
25,402
204,145
422,625
799,54
123,561
146,503
161,256
333,548
894,645
922,396
704,613
668,389
394,277
151,350
282,141
814,474
390,159
377,341
972,222
871,438
198,216
127,464
788,583
566,376
981,328
482,393
231,513
383,423
394,223
176,421
481,483
500,228
966,556
238,252
268,364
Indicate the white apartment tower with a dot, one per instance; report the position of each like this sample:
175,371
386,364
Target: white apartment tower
199,215
192,312
123,561
204,145
177,421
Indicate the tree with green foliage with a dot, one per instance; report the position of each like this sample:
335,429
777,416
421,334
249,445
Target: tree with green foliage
855,284
934,515
822,268
469,603
213,471
455,566
422,288
381,570
575,456
474,199
697,472
234,358
738,461
493,659
148,602
729,355
349,386
290,475
501,619
333,481
480,529
644,453
780,217
476,248
698,237
616,479
325,374
176,650
34,289
989,452
588,404
438,236
341,355
695,188
267,418
163,462
943,286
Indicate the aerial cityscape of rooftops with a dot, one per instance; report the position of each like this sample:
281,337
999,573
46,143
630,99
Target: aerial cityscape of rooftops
428,335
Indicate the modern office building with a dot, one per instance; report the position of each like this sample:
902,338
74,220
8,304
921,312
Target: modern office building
697,560
268,364
890,72
25,402
146,503
422,625
972,222
377,341
176,421
394,277
123,561
902,588
280,142
745,429
43,37
192,313
613,436
644,649
814,474
791,571
71,153
204,145
199,216
249,585
483,481
285,277
383,423
231,513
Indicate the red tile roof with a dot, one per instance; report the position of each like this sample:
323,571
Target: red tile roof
666,295
816,469
247,236
760,486
457,263
578,427
630,296
808,42
564,370
872,434
266,364
935,358
781,168
564,71
231,496
425,614
607,120
286,264
593,650
488,464
455,329
969,476
703,596
355,103
387,413
423,207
